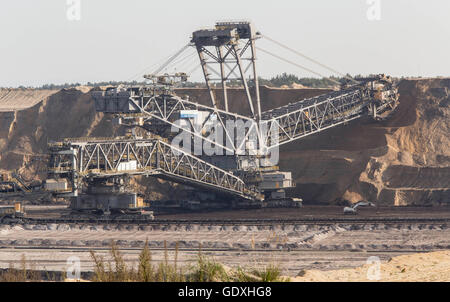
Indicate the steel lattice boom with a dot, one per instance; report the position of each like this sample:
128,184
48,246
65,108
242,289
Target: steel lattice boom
163,111
290,122
313,115
108,158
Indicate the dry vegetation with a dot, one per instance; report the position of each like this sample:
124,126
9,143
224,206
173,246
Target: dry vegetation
420,267
25,272
115,269
205,270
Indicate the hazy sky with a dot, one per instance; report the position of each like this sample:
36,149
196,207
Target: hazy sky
117,40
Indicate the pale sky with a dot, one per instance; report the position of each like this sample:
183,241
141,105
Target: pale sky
119,39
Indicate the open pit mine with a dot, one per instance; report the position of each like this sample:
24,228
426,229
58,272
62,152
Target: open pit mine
363,169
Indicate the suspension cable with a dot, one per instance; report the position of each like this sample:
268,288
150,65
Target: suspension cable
139,74
184,60
311,59
298,65
150,67
190,72
171,59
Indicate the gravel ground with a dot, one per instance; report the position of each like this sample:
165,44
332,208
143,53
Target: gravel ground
308,212
246,237
291,263
292,247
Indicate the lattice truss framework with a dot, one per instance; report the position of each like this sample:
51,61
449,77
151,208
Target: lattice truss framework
278,126
107,158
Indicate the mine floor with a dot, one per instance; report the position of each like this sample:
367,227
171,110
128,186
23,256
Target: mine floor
292,246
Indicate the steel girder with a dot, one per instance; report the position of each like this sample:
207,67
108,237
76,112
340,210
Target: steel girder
314,115
220,46
278,126
108,158
166,108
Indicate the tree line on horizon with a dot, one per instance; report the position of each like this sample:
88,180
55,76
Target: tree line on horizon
281,80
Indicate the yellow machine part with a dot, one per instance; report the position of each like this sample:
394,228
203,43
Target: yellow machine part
18,207
139,203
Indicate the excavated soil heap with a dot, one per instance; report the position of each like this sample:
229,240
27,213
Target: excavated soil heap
18,99
429,267
403,160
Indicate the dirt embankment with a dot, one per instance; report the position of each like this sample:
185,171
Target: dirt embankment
24,134
19,99
429,267
404,160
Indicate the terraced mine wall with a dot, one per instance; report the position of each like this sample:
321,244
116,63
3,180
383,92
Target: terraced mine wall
401,161
404,160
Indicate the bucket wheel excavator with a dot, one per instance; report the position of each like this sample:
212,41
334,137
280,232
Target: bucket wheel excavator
230,158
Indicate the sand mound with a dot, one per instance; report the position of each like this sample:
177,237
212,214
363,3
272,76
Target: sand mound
404,160
424,267
19,99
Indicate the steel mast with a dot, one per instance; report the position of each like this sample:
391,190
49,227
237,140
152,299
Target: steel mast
220,46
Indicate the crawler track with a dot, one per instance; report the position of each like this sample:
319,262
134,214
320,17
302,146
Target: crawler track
311,215
313,221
